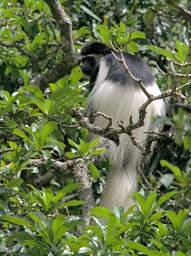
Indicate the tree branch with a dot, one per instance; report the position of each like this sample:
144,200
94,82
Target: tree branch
76,168
70,59
183,11
64,24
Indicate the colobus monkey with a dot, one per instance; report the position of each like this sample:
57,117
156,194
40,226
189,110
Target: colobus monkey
114,93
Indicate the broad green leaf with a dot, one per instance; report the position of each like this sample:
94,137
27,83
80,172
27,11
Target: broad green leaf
38,41
94,171
122,27
173,218
71,203
175,169
58,227
39,219
182,214
18,221
6,95
140,200
72,143
47,196
156,216
149,18
100,212
76,75
22,135
64,191
104,32
149,204
162,51
110,229
97,230
89,12
165,197
46,131
141,248
137,34
133,47
183,51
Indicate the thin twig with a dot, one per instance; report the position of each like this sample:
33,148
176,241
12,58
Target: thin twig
109,118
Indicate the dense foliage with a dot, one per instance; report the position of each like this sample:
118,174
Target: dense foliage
40,207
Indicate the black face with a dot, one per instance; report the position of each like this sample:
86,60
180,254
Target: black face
88,65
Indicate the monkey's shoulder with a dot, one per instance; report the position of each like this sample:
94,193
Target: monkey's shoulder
137,66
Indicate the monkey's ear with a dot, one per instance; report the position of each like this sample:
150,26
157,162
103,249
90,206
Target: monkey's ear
95,48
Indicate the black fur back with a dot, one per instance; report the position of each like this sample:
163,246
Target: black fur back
136,65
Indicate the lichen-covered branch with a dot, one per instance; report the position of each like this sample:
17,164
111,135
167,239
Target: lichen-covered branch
70,59
185,13
64,24
82,176
70,168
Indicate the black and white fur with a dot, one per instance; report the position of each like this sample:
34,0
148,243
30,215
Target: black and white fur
114,93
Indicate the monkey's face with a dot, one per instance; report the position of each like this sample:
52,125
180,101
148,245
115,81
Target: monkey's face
90,65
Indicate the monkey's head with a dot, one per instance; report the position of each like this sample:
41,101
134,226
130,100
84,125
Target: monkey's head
91,54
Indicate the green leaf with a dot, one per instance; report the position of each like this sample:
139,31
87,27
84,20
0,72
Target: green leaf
140,200
18,221
156,216
175,169
165,197
72,143
149,18
97,230
173,218
94,171
76,75
46,131
71,203
22,135
64,191
56,145
100,212
162,51
186,227
58,227
137,34
133,47
122,27
141,248
39,219
110,229
89,12
181,217
44,106
47,195
183,51
104,32
6,95
149,203
38,41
